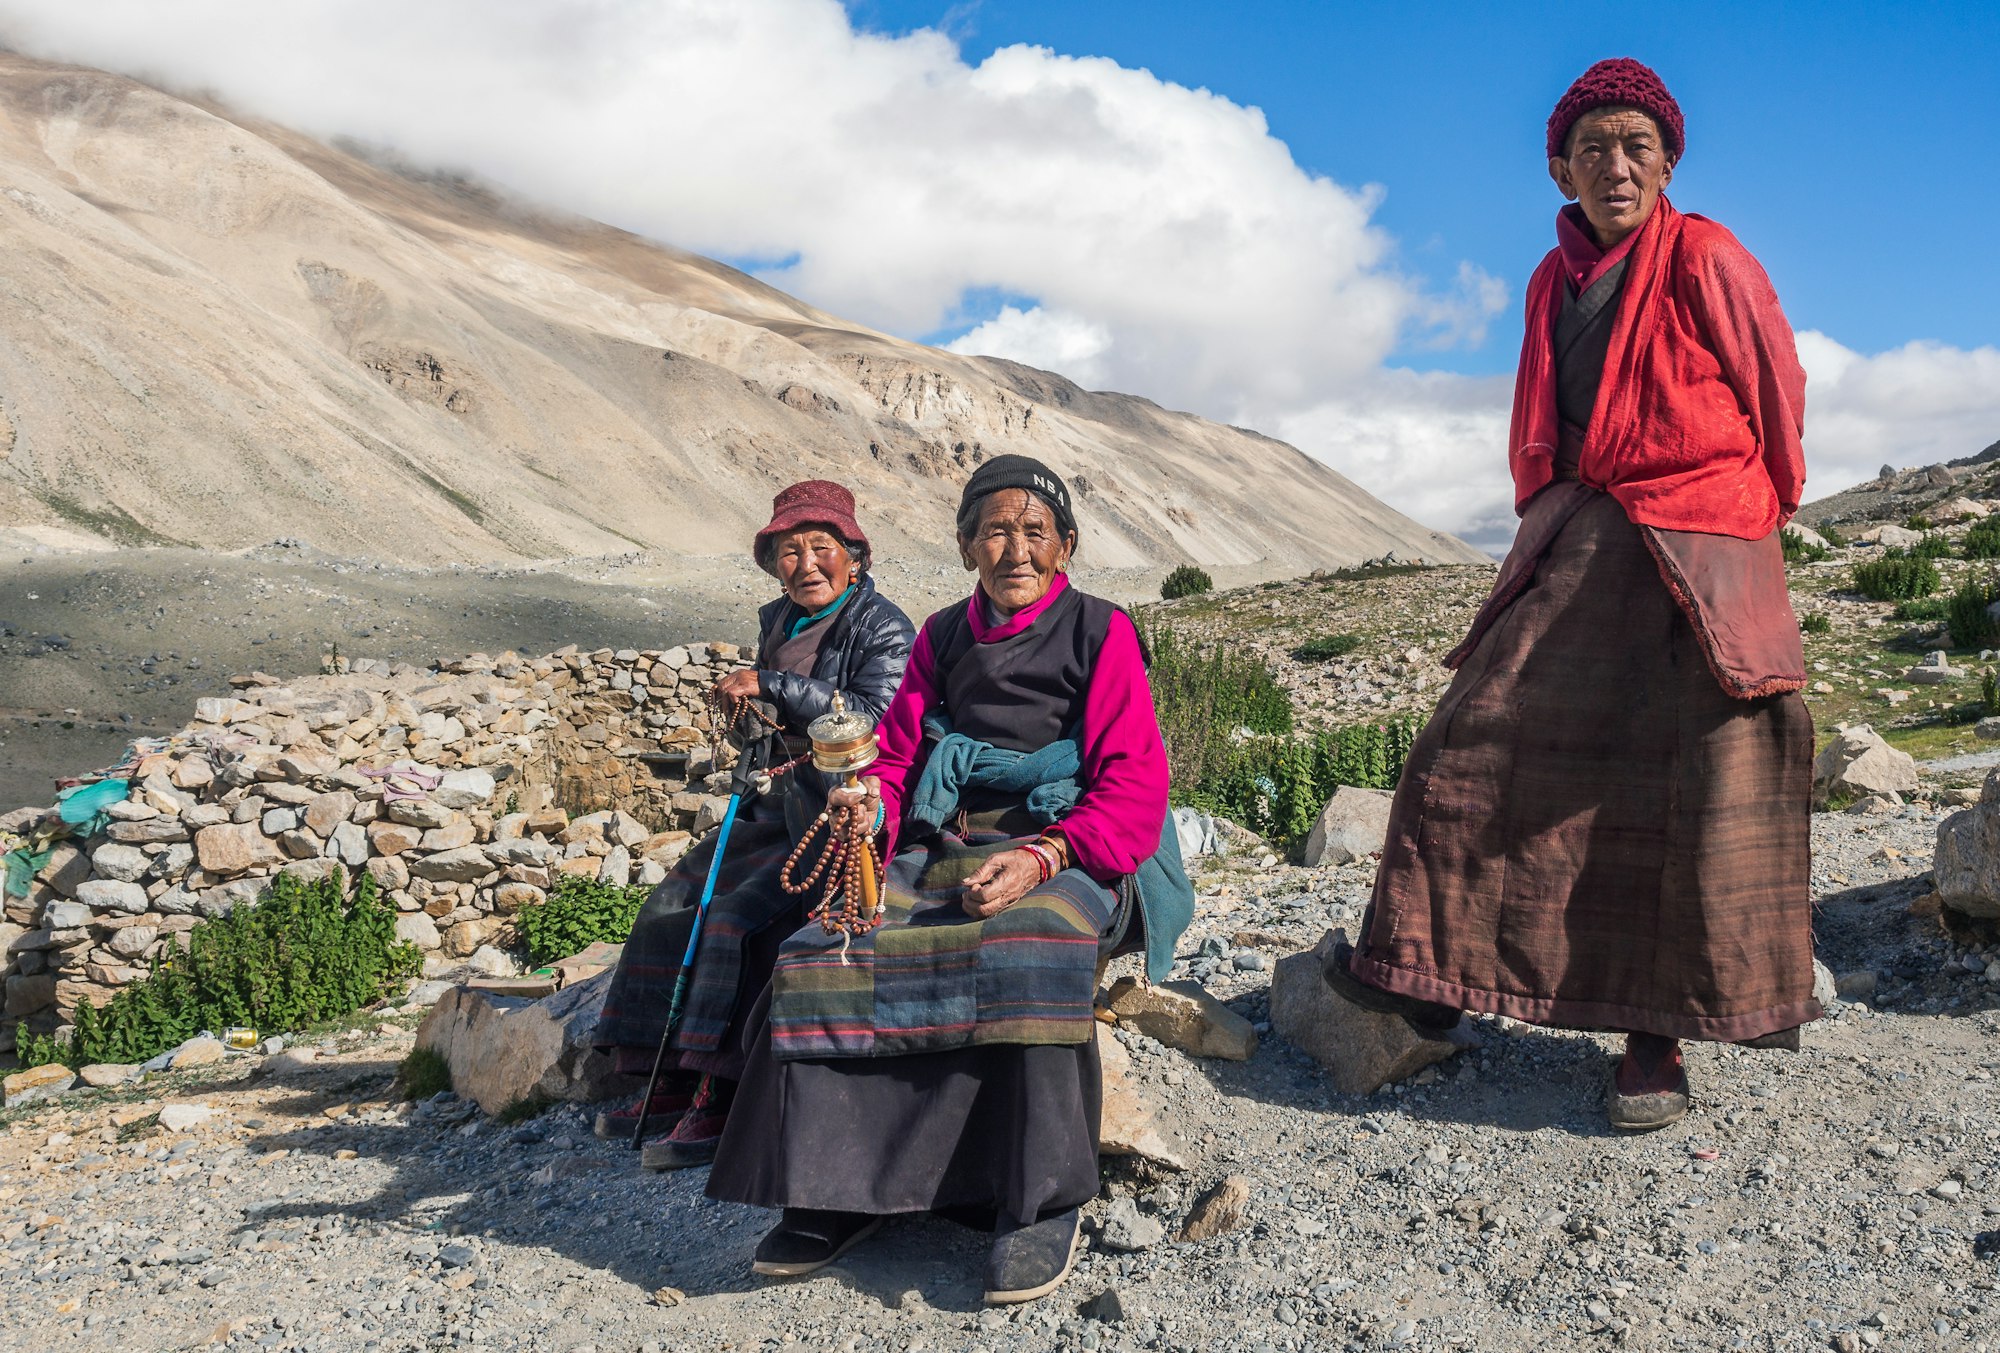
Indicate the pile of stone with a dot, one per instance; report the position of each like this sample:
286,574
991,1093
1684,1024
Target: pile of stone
465,790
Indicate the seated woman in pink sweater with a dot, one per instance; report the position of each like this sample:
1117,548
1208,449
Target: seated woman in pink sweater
945,1061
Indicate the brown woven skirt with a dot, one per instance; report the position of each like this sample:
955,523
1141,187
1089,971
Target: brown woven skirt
1590,833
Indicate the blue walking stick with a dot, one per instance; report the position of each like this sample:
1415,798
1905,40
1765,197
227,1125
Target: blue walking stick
746,767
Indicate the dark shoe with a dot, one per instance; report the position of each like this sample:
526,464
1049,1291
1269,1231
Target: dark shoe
670,1101
1031,1261
1428,1019
695,1136
806,1240
1784,1040
1649,1088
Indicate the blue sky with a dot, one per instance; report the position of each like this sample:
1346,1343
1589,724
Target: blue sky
1854,147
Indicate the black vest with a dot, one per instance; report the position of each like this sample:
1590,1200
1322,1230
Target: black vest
1025,691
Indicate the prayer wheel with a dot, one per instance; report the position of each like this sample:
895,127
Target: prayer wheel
843,745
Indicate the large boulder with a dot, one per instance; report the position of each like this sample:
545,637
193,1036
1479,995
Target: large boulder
1857,762
1353,826
1966,866
1361,1050
503,1050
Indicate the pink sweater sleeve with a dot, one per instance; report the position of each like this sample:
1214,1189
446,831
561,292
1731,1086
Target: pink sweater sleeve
901,736
1116,825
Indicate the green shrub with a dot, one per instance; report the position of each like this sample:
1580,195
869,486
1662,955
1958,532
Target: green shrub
1917,521
1982,541
1920,609
422,1074
1799,550
1896,578
304,954
1276,786
1816,623
1936,545
579,913
1326,647
1989,691
1971,626
1186,581
1830,535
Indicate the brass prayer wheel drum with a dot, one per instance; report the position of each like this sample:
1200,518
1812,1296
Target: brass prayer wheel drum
843,743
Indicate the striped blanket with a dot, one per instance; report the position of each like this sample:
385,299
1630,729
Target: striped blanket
931,977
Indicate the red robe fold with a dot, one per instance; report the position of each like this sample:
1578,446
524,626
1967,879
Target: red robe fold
1698,419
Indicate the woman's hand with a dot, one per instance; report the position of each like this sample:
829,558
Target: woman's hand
1001,882
743,685
866,796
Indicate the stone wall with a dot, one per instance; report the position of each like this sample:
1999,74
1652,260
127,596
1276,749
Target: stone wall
466,790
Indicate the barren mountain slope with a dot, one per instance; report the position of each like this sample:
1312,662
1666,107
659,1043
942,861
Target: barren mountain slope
219,332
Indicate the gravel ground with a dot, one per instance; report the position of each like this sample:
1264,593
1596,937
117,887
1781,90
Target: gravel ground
1834,1198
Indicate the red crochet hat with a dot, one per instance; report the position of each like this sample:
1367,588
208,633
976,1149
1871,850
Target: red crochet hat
812,502
1619,82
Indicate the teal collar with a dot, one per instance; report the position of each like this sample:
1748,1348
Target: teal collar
804,623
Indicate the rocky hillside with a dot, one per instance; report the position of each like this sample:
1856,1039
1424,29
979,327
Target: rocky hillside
227,333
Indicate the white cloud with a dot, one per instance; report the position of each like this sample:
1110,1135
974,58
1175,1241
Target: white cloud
1914,405
1165,242
1054,340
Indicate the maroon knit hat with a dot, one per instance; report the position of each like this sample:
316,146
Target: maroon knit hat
1619,82
812,502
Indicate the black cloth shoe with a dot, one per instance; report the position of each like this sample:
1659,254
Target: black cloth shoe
1428,1019
1032,1261
806,1240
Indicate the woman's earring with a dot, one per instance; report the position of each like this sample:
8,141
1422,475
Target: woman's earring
1063,566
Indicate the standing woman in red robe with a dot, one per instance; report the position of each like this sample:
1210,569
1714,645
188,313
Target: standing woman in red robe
1605,824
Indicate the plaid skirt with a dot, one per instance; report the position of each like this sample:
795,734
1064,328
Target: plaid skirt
932,978
1590,833
731,967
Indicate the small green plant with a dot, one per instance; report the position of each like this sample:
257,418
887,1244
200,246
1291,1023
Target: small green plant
422,1074
1968,614
1917,521
1936,545
1326,647
579,913
524,1108
1989,691
1896,578
513,804
1815,623
304,954
1830,535
1799,550
1982,541
35,1049
1186,581
1920,609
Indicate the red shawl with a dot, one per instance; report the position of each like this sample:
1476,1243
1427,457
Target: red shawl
1698,419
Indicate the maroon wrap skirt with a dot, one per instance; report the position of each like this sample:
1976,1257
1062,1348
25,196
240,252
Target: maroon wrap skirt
1591,832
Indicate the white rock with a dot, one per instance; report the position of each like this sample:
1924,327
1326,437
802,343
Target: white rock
464,789
126,864
414,927
1857,762
112,895
1353,826
183,1117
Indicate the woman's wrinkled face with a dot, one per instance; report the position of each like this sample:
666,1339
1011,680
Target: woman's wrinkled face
813,566
1616,168
1016,548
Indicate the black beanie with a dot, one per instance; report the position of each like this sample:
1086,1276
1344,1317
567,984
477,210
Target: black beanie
1016,472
